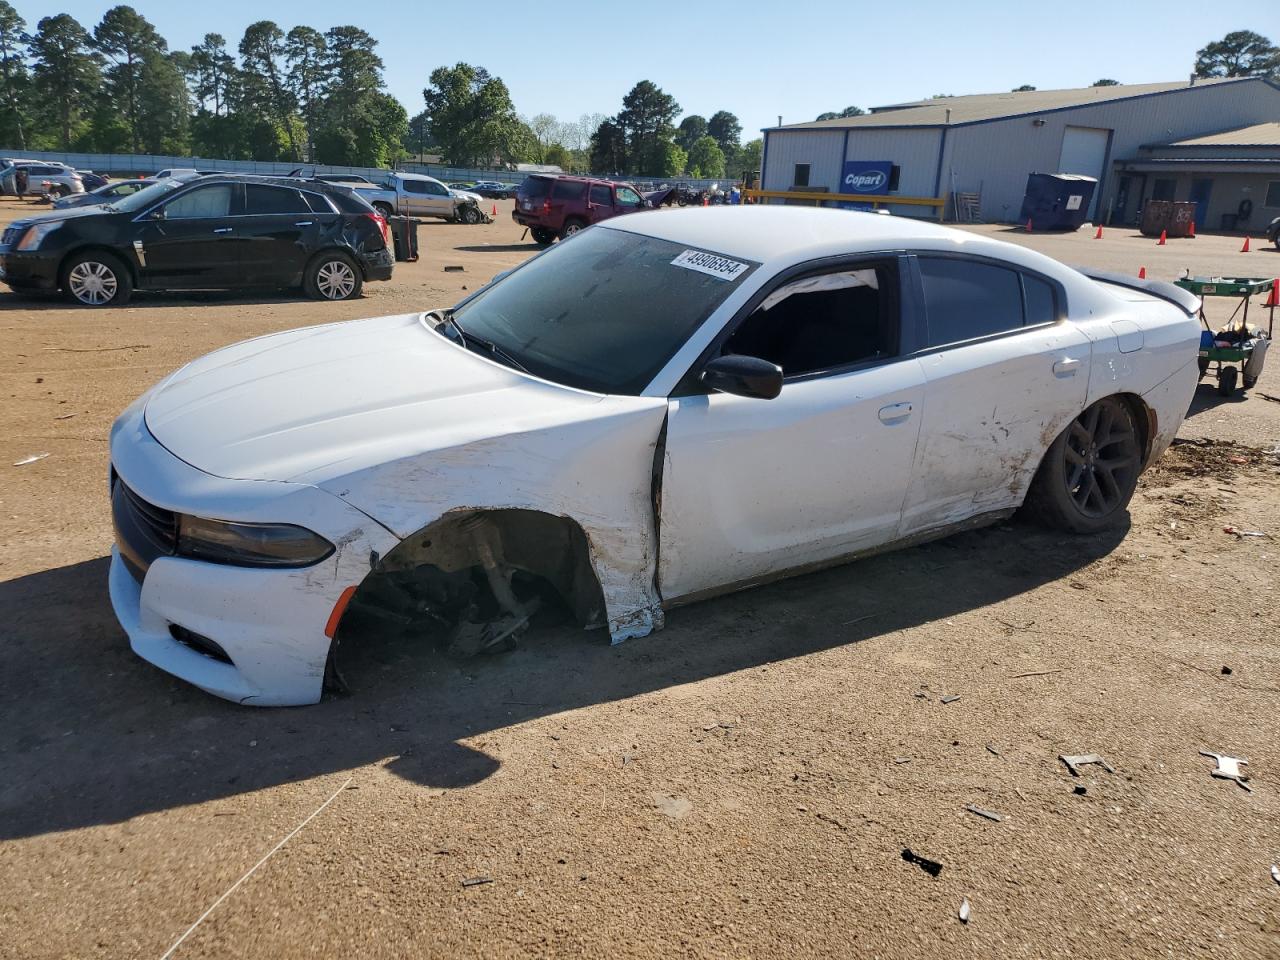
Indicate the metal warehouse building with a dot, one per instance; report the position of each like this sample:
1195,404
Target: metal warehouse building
1209,140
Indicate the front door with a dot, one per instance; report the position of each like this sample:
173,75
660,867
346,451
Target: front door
752,488
626,200
193,242
1004,374
1200,190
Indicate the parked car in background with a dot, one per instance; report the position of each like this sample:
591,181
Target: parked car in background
1273,232
463,185
110,193
494,190
346,178
214,232
417,195
92,181
559,206
53,179
666,408
170,173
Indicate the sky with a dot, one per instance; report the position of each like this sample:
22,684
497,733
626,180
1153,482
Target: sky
756,60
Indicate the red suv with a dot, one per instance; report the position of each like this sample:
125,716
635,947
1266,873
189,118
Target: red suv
552,206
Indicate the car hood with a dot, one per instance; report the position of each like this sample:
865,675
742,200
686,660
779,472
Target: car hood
66,213
320,403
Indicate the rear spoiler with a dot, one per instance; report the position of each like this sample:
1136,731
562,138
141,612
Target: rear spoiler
1171,293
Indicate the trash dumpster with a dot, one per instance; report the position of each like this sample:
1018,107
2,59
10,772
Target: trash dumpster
1057,201
1172,217
404,232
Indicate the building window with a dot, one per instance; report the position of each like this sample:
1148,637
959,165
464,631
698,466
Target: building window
801,177
1273,194
1163,189
894,173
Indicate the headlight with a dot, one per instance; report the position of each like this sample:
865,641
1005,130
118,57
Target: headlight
250,544
36,233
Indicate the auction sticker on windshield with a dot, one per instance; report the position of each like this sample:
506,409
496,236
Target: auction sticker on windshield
710,264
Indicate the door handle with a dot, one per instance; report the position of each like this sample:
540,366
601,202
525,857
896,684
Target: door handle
303,223
222,230
895,412
1066,367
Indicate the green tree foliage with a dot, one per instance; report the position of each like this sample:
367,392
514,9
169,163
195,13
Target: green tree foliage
263,91
306,54
646,119
15,81
558,155
692,129
749,157
360,124
1105,83
706,159
213,75
726,130
846,112
608,153
65,78
1241,53
472,119
165,116
131,47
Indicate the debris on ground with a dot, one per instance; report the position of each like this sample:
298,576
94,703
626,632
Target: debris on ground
1081,759
1275,872
901,759
931,867
964,910
1241,534
1080,790
1226,671
454,268
951,699
476,881
65,416
677,808
991,749
1228,768
31,459
1267,396
987,814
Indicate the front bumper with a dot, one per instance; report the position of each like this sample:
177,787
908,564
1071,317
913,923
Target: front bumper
28,271
270,623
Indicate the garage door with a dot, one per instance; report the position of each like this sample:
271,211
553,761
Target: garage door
1084,151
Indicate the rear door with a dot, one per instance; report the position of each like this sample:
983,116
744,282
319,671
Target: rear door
277,233
1005,371
599,202
191,240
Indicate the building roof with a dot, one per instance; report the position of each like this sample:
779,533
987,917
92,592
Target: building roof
1258,135
994,106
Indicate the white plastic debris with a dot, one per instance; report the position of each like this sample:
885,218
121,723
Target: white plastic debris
964,910
31,459
1228,768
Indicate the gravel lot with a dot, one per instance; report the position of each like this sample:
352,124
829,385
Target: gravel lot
742,784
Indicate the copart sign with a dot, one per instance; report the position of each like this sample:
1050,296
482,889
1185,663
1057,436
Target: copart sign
866,176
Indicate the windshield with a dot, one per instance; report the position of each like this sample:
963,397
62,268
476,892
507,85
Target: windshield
603,311
145,197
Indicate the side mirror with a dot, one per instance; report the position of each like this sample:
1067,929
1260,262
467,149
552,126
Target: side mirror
744,376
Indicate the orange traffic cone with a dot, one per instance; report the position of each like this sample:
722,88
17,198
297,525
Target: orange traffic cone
1098,235
706,202
1191,229
1162,240
1245,248
1142,273
495,211
1273,298
1028,224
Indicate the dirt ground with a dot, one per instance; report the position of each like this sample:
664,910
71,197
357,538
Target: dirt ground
742,784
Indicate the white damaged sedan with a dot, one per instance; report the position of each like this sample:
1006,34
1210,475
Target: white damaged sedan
660,409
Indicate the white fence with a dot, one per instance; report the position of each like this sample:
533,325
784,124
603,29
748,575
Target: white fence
128,164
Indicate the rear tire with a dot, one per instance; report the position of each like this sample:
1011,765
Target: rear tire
1089,473
570,228
93,279
333,276
1227,381
542,236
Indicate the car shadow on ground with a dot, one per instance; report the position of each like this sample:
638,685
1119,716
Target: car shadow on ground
502,248
94,735
148,300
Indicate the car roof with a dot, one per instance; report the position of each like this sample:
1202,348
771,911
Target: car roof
782,236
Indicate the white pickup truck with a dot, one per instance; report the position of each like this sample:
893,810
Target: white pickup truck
417,195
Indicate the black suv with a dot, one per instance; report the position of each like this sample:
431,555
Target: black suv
217,232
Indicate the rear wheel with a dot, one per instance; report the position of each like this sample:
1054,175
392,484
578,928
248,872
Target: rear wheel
333,276
1090,471
543,236
570,228
96,280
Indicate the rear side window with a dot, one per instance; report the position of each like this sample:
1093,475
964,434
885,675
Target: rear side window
568,190
534,188
317,203
261,200
600,193
965,300
348,201
1041,306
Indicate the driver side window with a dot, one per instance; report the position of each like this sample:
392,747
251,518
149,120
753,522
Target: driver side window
436,189
825,321
201,203
628,197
